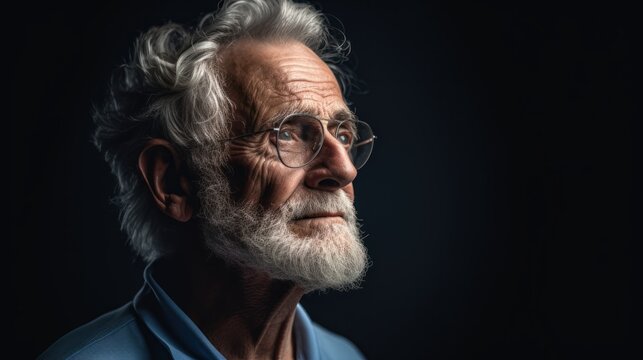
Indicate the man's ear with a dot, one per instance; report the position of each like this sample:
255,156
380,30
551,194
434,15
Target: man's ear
163,172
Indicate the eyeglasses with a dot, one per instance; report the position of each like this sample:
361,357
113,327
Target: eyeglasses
299,139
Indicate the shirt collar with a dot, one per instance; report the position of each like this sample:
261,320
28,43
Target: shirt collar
180,336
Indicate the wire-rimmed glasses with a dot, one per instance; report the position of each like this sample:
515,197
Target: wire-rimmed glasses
300,137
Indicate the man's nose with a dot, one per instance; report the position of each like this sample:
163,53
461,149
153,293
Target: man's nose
332,169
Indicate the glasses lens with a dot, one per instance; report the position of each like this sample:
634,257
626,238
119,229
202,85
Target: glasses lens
361,141
299,139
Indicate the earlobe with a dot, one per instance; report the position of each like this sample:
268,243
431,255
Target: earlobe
161,168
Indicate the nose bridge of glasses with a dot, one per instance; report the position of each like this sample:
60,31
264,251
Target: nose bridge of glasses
325,123
330,133
331,126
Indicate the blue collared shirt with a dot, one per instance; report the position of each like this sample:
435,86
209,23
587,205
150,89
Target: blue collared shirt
152,326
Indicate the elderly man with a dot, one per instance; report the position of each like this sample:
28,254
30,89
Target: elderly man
235,154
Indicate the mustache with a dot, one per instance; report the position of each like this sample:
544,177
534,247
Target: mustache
314,204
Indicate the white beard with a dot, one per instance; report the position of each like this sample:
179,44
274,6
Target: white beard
330,256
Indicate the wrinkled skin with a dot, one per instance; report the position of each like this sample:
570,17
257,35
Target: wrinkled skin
267,79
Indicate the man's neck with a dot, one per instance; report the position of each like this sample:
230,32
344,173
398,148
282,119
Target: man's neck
244,313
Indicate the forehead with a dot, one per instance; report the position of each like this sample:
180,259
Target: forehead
268,78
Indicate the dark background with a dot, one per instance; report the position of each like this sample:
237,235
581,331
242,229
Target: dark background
502,200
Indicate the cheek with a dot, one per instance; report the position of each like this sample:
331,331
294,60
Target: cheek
350,191
258,177
278,184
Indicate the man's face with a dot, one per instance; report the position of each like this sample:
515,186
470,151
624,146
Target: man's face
295,223
271,79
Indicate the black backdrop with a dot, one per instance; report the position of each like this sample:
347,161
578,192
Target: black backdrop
501,200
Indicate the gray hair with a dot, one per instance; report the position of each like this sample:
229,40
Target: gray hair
172,88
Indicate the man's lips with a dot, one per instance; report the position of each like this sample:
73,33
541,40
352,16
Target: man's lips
319,216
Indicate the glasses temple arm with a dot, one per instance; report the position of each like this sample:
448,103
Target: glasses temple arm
250,134
367,141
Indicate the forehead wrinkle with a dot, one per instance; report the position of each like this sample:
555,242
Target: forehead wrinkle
294,73
308,93
287,82
268,94
313,68
255,91
271,78
300,84
339,111
262,96
289,74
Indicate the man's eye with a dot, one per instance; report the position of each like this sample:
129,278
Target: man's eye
285,135
345,138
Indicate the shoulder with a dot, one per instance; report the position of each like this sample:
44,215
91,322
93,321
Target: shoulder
115,335
334,346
